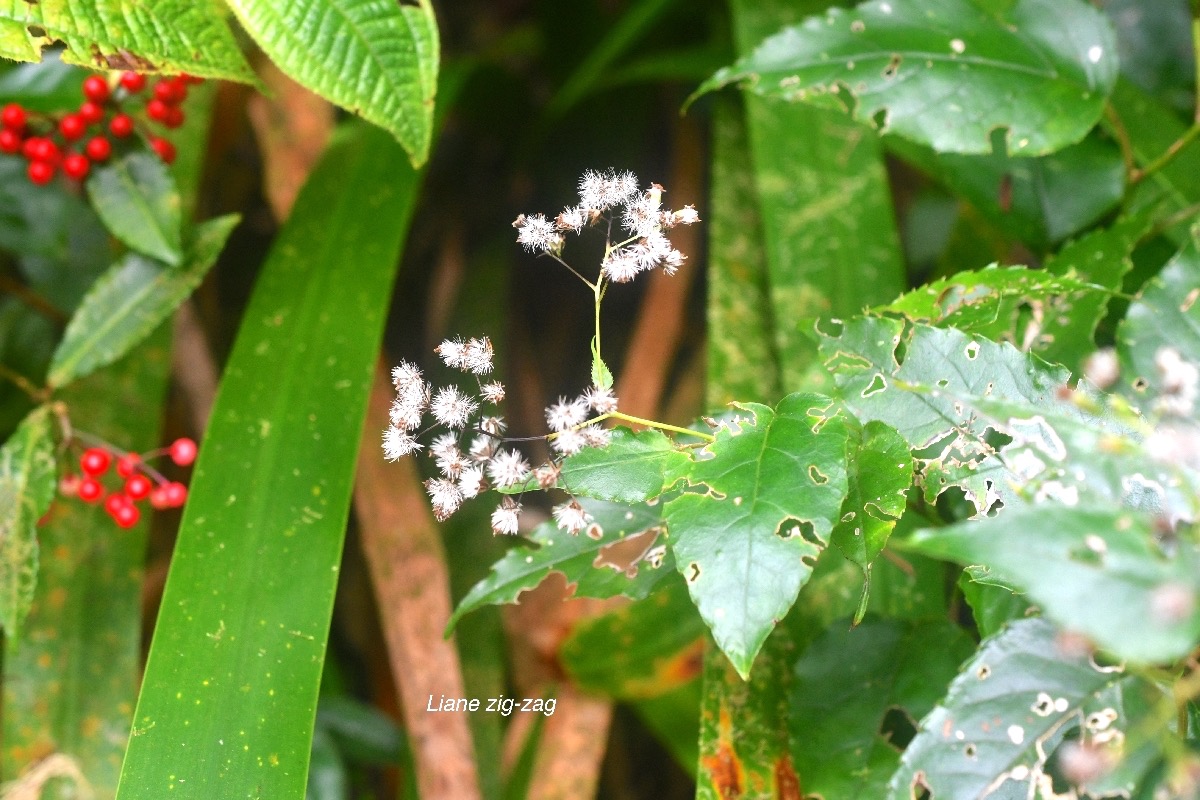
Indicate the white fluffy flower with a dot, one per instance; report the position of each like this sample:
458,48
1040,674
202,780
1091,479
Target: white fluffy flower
572,219
595,436
537,234
471,482
492,392
602,401
506,517
444,445
621,265
483,447
568,442
398,443
444,496
566,414
451,407
603,190
508,468
571,517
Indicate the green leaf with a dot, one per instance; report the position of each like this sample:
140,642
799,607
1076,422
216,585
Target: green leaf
631,469
136,199
848,685
27,484
48,87
928,397
234,668
881,470
524,567
642,650
996,727
1039,201
163,36
1165,314
760,511
1097,571
946,73
992,605
378,60
129,301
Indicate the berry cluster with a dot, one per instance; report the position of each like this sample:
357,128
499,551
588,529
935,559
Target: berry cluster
73,142
138,481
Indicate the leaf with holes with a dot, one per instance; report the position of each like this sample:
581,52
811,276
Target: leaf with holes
135,196
858,690
759,511
130,300
377,60
27,483
947,73
1003,716
631,469
927,396
1098,571
163,36
881,472
1165,314
622,540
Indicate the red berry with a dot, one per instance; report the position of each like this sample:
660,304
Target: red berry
156,109
98,148
165,150
126,516
170,92
175,494
116,501
95,461
121,125
39,148
40,172
91,113
182,451
71,126
95,88
76,165
191,79
13,117
138,486
90,490
127,464
174,117
133,81
10,141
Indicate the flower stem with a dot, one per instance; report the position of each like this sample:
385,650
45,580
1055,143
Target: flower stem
650,423
1166,158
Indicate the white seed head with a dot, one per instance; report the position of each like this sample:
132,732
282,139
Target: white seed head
492,392
568,442
538,234
571,517
471,482
599,191
621,265
572,219
566,414
398,443
451,407
507,468
506,517
444,496
600,400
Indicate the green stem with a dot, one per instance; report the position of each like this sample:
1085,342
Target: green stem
649,423
1166,158
36,394
1196,48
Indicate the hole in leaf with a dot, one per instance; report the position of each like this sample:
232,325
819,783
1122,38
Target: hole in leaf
1140,384
936,446
972,350
881,120
996,439
816,476
893,66
36,31
942,383
693,572
877,385
919,789
835,326
970,751
897,727
953,504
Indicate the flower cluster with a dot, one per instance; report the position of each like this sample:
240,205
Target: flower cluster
606,196
470,452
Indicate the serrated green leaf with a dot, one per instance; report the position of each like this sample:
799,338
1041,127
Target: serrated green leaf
946,73
377,60
927,397
27,484
642,650
760,511
631,469
129,301
247,605
575,557
163,36
1099,572
992,605
848,681
1165,314
881,470
994,730
136,199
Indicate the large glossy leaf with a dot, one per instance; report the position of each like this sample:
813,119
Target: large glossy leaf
576,557
849,685
230,690
947,73
166,35
378,60
761,506
1002,718
70,685
1165,314
27,483
136,199
1097,571
130,300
